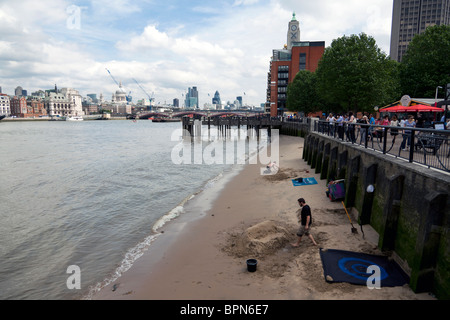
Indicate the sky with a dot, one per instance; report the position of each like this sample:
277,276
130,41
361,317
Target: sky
168,46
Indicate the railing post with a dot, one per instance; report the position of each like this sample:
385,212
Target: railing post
384,140
366,142
412,146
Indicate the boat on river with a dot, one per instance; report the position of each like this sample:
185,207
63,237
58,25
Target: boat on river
74,118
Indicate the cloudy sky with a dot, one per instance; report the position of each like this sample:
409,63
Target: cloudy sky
167,46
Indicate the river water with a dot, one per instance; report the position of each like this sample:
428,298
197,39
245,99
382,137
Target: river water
89,194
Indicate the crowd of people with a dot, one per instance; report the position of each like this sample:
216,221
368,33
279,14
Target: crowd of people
348,127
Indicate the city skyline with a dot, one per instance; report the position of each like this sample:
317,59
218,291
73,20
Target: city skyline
169,47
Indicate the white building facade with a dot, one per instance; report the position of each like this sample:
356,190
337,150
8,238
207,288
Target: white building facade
5,105
64,102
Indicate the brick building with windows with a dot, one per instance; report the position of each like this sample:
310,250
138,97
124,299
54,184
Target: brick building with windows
22,107
18,106
286,63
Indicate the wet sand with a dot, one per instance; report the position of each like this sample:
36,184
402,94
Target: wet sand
202,254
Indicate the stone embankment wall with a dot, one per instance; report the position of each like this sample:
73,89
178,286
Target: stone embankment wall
409,206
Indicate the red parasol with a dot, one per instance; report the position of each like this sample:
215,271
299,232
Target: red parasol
416,108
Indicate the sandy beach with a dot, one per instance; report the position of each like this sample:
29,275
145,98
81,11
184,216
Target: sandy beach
202,254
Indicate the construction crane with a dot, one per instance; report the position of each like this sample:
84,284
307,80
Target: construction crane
151,98
128,97
120,87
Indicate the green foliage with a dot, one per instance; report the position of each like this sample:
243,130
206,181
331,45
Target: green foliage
426,64
302,93
356,74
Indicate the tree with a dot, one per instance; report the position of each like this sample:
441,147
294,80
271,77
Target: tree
426,64
302,93
355,74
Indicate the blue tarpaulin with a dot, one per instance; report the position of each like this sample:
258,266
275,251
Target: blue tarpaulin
351,267
304,182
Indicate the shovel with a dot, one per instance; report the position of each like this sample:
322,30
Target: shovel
354,230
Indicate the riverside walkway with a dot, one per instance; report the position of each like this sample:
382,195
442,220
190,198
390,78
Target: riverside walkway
428,147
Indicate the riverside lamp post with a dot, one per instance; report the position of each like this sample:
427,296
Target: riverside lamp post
436,96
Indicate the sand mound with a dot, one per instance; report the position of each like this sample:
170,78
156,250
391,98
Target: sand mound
260,240
284,174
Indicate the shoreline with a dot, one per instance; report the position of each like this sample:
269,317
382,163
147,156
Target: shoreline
198,256
181,213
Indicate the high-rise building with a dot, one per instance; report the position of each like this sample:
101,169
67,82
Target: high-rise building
191,100
93,97
412,17
18,91
216,100
287,62
239,100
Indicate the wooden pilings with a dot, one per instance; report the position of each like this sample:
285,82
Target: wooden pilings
255,125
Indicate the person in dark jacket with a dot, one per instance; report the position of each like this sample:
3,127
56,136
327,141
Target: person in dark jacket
305,220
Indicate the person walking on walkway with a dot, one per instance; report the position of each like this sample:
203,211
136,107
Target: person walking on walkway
364,131
305,220
407,133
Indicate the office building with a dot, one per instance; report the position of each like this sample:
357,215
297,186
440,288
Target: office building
286,63
412,17
239,100
18,91
191,101
93,97
216,100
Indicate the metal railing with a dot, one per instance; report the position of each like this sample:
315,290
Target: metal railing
427,147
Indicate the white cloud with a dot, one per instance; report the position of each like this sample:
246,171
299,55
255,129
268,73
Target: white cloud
244,2
112,9
329,19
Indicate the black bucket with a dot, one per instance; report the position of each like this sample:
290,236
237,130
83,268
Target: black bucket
251,265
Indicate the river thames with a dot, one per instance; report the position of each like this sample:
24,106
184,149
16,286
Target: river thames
88,194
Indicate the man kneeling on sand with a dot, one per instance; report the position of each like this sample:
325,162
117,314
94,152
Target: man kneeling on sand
305,220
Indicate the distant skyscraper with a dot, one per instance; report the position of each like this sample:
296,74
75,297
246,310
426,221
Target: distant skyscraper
216,100
93,97
176,103
412,17
18,91
239,99
191,100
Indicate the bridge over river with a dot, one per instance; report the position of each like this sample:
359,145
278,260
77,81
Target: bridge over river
200,114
